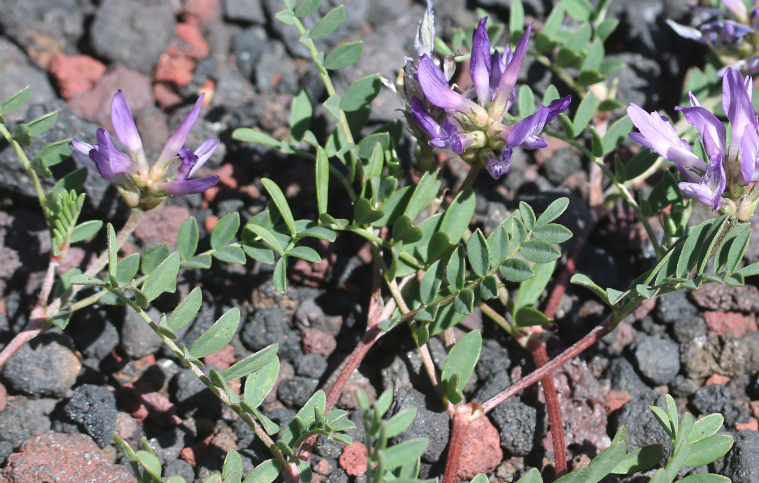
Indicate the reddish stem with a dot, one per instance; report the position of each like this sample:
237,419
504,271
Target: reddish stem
593,336
31,330
456,446
351,364
540,356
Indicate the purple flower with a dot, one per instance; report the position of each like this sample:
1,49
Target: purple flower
509,76
526,132
737,7
480,63
443,135
498,168
131,172
714,33
498,64
736,102
438,92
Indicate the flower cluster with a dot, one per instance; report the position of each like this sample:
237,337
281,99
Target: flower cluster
720,183
732,40
140,184
471,123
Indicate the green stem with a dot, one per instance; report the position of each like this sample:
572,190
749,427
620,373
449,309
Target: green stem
207,381
406,257
28,165
333,171
561,73
471,176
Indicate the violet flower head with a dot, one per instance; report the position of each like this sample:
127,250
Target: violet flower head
131,174
437,90
498,168
442,135
526,132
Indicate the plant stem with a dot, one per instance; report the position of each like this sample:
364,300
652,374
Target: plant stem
474,170
406,257
540,356
456,446
28,165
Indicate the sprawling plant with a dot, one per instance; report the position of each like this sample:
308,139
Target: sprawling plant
430,270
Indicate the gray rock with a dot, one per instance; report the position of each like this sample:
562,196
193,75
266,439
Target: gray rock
682,386
46,367
247,47
133,32
717,398
623,377
687,329
18,72
564,163
24,418
381,13
337,476
726,355
193,397
637,80
494,359
642,427
739,464
658,360
268,326
675,307
491,215
178,467
492,386
93,333
516,422
233,89
94,407
245,11
168,443
296,392
311,365
276,71
427,424
6,449
137,339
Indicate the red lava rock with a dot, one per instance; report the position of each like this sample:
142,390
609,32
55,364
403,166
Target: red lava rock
347,399
313,274
74,259
323,467
208,88
752,425
202,11
644,308
165,95
189,42
625,337
161,225
712,296
144,402
222,359
75,73
62,458
176,70
94,105
196,452
482,449
228,176
225,440
721,323
317,342
3,398
210,222
126,426
754,406
615,400
716,379
353,460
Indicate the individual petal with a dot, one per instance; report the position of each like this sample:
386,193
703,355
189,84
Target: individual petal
423,119
711,187
198,185
479,65
685,31
123,124
189,160
119,162
693,100
737,7
698,191
438,92
663,139
204,152
82,150
641,139
750,155
425,35
737,104
510,74
526,130
732,32
556,107
177,140
498,168
712,131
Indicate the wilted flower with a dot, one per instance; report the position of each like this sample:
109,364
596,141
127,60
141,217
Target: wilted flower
470,123
730,168
139,184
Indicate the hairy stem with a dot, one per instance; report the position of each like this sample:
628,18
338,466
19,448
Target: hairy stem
456,446
540,356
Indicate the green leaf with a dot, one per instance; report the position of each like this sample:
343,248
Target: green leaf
163,278
344,55
585,281
404,453
307,7
641,459
322,179
252,363
16,101
198,261
266,472
279,278
361,93
301,111
705,427
498,242
73,181
515,270
259,384
464,302
620,175
232,464
458,216
532,476
580,9
329,23
527,316
225,230
539,251
79,279
606,28
554,210
567,126
429,285
127,268
462,358
363,213
677,461
249,135
424,193
705,478
306,253
553,22
489,288
597,144
526,100
82,231
279,199
609,105
640,163
552,233
478,253
398,423
616,134
604,463
737,249
455,270
186,310
528,215
150,463
595,57
531,289
219,335
709,450
405,231
585,113
306,416
332,104
230,254
287,17
43,123
516,17
265,234
187,238
22,135
568,58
